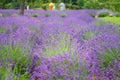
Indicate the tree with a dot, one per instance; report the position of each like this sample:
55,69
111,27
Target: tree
22,4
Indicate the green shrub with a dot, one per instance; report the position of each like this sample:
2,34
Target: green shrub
1,5
8,6
31,5
16,5
36,4
35,15
63,15
92,15
103,14
108,56
44,6
69,6
117,15
47,15
75,7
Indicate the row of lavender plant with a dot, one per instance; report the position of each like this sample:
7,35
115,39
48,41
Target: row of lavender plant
58,45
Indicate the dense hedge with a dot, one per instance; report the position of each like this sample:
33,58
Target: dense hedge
113,6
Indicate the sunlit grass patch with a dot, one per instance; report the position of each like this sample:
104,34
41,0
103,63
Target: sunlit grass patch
112,20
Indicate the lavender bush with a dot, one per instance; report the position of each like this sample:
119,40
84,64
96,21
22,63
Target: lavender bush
57,45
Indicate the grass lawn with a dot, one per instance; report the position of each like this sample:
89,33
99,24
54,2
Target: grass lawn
115,20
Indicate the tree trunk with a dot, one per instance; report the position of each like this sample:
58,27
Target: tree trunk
22,4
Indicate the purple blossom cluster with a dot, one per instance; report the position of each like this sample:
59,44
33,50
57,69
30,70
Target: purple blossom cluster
69,48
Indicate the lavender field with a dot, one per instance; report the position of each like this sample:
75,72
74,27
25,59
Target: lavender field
58,45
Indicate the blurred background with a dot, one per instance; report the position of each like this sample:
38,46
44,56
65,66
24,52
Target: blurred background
70,4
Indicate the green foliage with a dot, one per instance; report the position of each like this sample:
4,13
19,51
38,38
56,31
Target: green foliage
80,3
70,4
35,15
16,5
108,56
111,5
89,35
47,15
44,6
92,15
55,49
75,7
63,15
2,30
9,6
117,15
6,74
36,4
99,22
91,4
112,20
14,62
1,5
103,14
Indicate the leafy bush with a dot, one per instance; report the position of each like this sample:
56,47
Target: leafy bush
72,6
47,15
75,7
117,15
103,14
8,6
16,5
36,4
91,4
63,15
68,6
1,5
35,15
92,15
44,6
